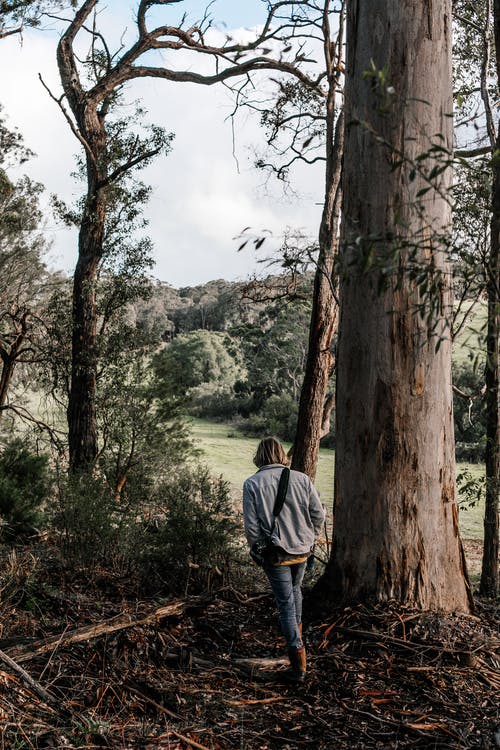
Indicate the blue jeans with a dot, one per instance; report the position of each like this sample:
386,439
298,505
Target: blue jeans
286,581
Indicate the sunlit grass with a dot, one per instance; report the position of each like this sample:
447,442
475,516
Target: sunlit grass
228,453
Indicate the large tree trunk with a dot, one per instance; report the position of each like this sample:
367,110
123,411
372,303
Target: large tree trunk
489,573
396,518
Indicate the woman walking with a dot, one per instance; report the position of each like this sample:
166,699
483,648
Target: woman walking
292,533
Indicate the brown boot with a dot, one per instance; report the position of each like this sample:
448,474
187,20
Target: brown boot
298,665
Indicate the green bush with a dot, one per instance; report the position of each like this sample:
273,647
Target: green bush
94,528
184,538
277,417
469,410
24,487
195,536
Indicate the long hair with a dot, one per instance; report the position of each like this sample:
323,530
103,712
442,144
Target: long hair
270,451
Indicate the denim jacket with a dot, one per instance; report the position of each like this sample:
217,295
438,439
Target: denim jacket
301,518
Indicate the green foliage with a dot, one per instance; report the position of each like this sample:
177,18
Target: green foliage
196,533
294,123
199,369
24,280
469,408
275,352
380,81
178,535
94,528
278,416
142,438
471,489
15,14
20,583
24,487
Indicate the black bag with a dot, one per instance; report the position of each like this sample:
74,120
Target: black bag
264,551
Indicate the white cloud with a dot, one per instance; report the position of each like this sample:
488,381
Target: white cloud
200,201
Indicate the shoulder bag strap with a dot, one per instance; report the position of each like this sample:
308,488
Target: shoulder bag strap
282,490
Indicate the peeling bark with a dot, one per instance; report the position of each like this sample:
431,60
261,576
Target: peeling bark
396,529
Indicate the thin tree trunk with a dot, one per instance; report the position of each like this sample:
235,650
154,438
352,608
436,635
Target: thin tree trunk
396,517
6,375
82,417
489,584
10,358
82,420
323,323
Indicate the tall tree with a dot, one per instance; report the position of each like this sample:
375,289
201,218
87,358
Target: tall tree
90,105
24,281
489,572
478,69
305,126
396,517
312,414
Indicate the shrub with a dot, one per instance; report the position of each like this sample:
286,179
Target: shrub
24,487
93,526
469,410
195,535
277,417
184,538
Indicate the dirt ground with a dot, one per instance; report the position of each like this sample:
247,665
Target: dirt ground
205,672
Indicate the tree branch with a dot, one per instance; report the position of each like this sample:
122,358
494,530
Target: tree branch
70,122
471,153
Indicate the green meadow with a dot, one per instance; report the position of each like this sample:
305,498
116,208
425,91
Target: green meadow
228,453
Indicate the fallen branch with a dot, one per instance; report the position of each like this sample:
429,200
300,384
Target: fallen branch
90,632
34,686
250,667
152,702
467,656
182,737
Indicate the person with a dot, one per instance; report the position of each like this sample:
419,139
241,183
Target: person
295,531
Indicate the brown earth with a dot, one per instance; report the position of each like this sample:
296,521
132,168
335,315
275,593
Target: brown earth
205,673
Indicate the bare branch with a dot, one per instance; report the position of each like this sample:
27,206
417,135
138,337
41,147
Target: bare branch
56,436
70,122
11,32
485,96
471,153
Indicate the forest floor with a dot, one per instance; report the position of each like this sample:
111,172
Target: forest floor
103,668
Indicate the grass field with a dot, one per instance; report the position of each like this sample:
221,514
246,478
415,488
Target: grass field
228,453
469,343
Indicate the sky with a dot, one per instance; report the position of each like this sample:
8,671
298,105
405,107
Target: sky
202,195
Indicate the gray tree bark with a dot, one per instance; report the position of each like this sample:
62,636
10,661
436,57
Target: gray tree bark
396,517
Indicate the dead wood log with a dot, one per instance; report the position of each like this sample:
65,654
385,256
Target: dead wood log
250,667
32,684
90,632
